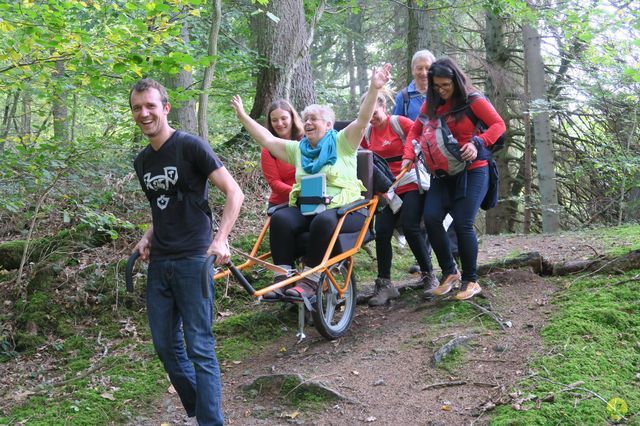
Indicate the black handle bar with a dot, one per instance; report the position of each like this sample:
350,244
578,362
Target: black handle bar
236,273
128,275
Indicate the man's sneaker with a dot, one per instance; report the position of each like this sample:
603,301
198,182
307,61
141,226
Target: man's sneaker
429,281
468,291
445,286
384,292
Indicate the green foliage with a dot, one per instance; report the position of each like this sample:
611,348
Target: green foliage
593,337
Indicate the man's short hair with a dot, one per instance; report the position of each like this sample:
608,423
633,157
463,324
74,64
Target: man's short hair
146,84
423,54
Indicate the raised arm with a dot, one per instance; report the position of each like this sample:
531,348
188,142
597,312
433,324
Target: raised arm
353,132
276,146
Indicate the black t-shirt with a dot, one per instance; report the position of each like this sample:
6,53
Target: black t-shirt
180,227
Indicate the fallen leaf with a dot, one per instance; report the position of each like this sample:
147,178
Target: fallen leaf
446,408
171,390
107,395
292,415
283,349
355,373
370,419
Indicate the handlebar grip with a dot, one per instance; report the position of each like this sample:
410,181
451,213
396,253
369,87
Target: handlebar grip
128,275
241,278
204,275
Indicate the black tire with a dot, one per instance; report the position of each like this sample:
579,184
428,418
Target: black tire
332,316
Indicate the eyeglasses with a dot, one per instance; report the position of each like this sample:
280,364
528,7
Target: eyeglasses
445,86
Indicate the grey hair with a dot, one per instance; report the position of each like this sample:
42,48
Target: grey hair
423,54
323,111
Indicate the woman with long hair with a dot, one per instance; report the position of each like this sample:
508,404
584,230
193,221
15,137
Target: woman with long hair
449,94
284,122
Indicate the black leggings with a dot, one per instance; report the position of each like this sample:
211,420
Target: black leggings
409,215
288,223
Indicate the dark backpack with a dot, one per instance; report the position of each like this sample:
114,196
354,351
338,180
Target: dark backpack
491,199
382,175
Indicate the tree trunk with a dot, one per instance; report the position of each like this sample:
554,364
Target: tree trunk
539,108
497,219
285,46
360,55
59,106
9,114
25,127
183,113
203,125
422,31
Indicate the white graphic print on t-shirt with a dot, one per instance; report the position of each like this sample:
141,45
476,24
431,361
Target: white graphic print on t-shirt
162,182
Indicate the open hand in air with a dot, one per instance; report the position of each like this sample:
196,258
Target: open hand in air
236,104
380,76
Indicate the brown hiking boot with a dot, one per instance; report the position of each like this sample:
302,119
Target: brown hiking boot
468,291
445,286
384,292
429,281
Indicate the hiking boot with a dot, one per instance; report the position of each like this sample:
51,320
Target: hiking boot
276,294
414,269
384,292
468,290
445,286
429,281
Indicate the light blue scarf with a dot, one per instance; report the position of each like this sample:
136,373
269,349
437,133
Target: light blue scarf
314,159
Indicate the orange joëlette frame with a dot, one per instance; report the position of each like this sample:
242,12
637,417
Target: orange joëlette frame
326,262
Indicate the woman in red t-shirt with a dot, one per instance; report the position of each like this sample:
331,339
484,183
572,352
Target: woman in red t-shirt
381,138
449,91
284,122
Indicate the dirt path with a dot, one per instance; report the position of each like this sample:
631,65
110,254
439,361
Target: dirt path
383,366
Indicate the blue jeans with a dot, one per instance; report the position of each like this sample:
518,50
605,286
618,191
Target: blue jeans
178,313
444,197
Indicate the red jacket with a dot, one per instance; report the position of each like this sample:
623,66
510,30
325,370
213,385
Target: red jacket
463,129
279,175
387,144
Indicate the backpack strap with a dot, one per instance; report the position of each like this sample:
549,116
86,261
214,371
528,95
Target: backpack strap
395,125
405,100
182,185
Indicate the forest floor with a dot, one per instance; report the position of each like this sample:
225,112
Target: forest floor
383,369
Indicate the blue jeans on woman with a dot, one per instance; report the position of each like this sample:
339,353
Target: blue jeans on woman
179,313
451,195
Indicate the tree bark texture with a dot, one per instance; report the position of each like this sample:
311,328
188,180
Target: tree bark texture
212,50
496,86
422,31
59,105
539,108
283,45
183,112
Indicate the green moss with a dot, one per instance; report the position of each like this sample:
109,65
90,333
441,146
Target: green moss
137,384
245,334
594,339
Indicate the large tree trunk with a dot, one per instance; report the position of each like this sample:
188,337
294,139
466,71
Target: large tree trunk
497,219
285,46
183,113
539,108
422,31
59,105
203,125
